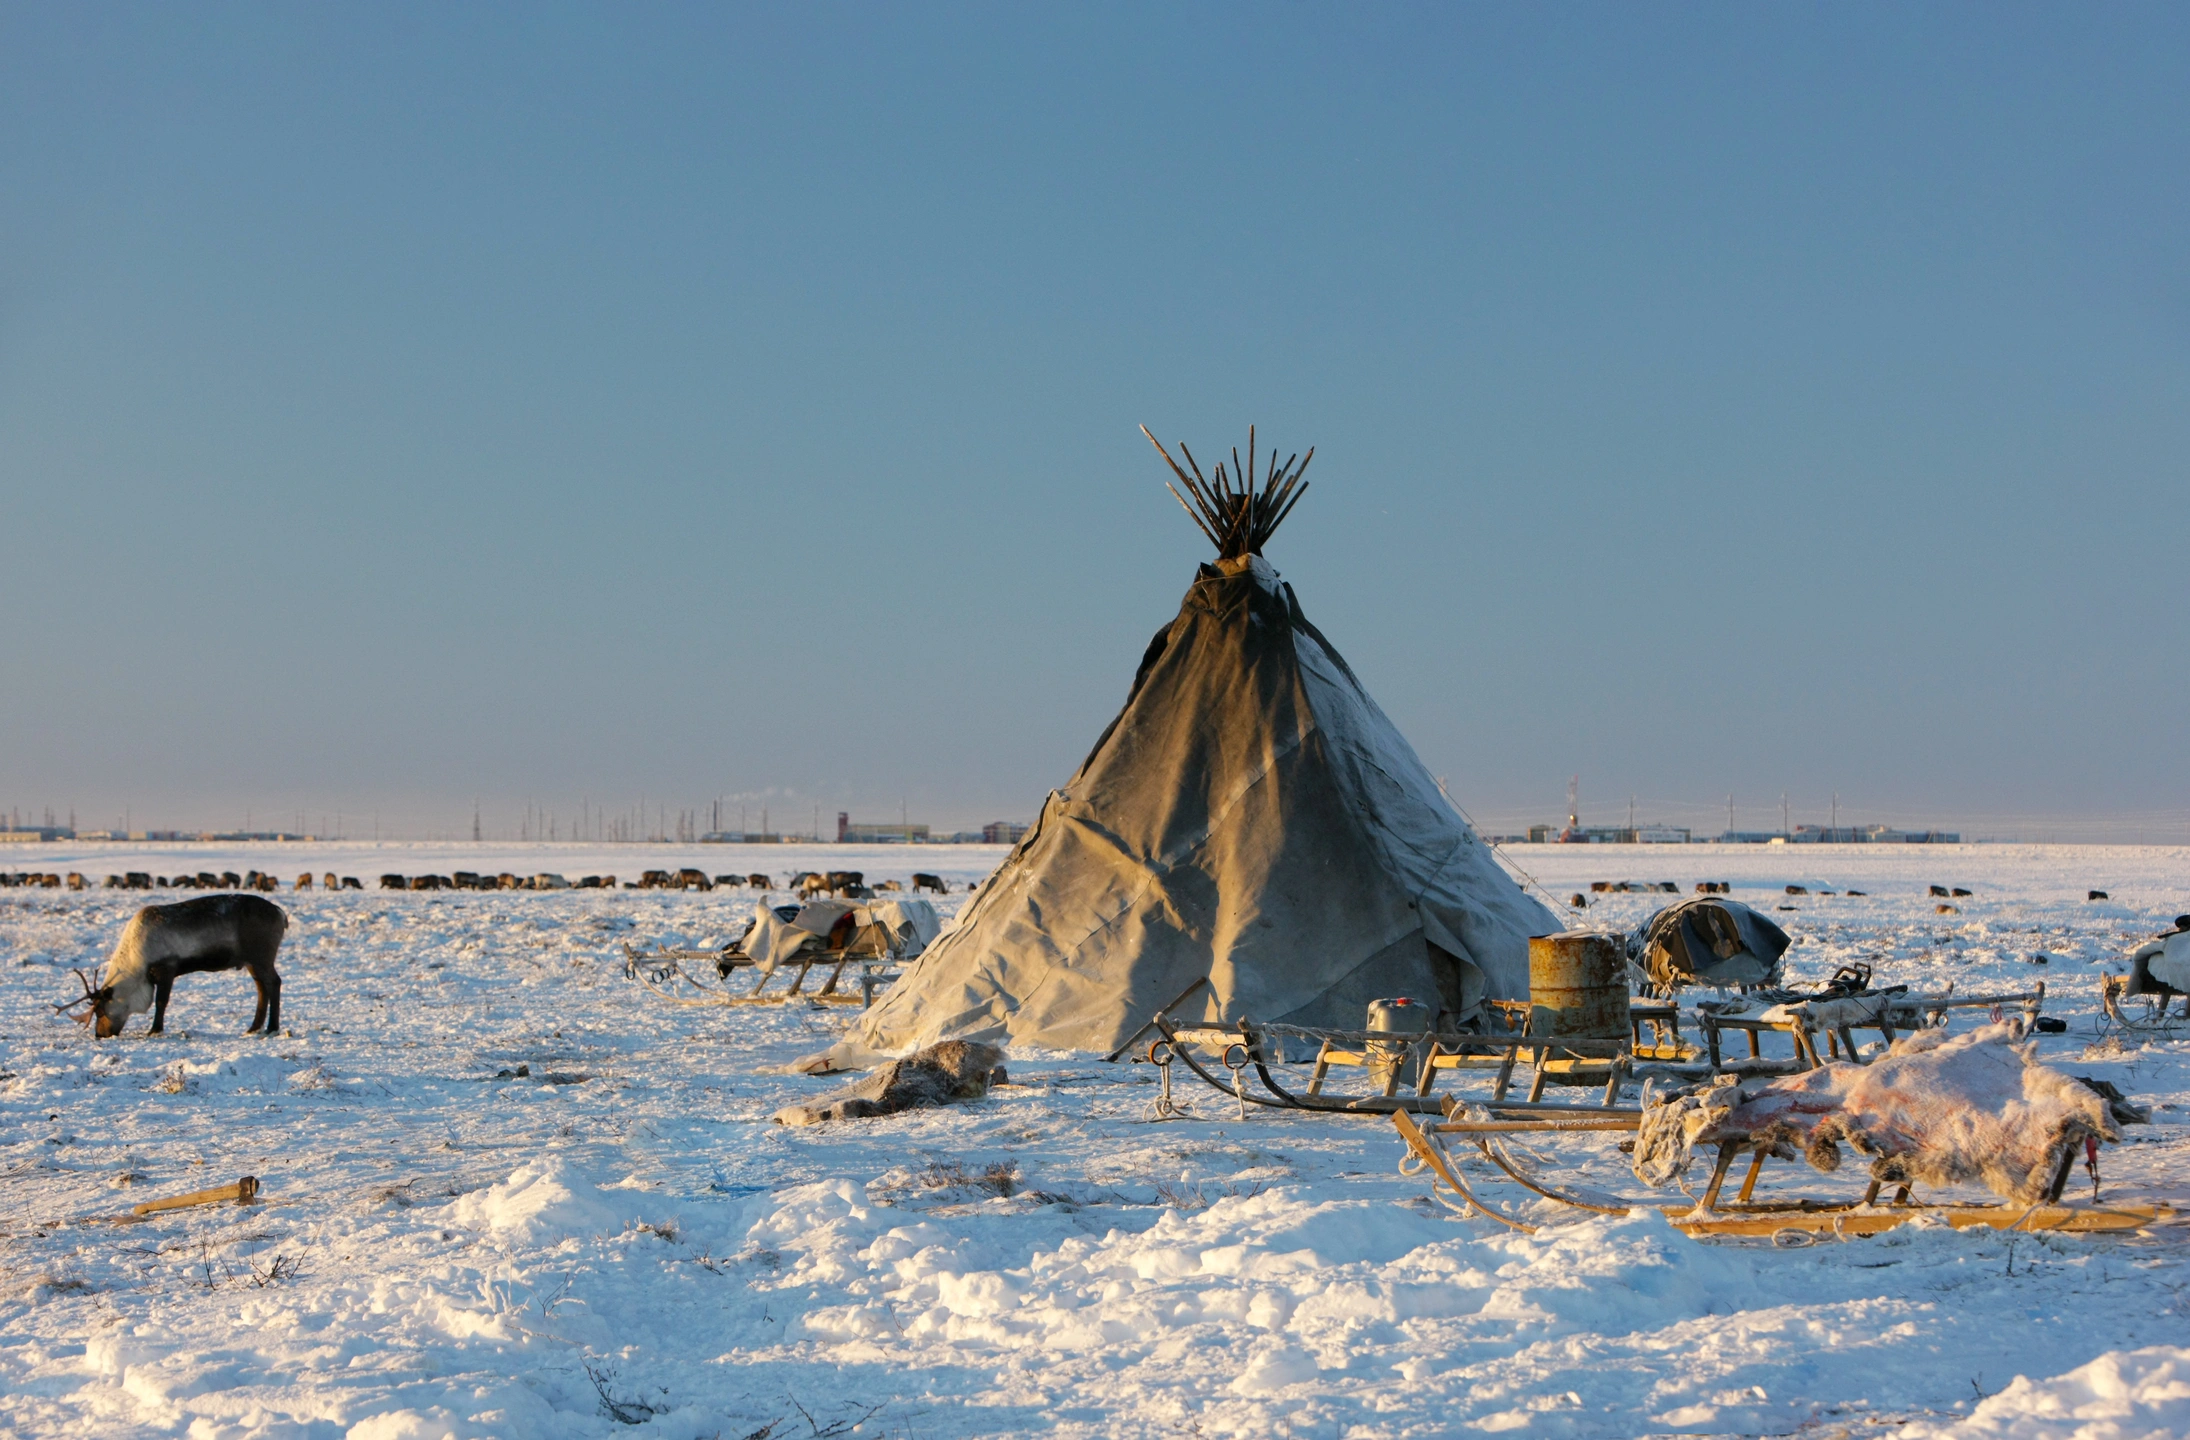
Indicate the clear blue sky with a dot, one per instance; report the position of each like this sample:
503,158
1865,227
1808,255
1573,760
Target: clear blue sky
402,404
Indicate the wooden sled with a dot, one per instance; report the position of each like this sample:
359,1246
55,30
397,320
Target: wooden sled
1744,1216
663,972
1405,1069
2141,1013
1889,1014
1244,1049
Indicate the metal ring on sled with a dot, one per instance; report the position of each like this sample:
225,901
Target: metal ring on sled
1164,1107
655,975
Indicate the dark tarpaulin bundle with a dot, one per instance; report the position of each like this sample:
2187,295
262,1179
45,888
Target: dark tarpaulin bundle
1711,941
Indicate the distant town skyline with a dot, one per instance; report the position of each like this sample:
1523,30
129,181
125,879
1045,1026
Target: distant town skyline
408,408
815,823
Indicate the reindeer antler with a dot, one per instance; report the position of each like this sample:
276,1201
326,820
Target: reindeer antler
90,996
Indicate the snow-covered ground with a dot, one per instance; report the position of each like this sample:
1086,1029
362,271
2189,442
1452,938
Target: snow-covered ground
510,1193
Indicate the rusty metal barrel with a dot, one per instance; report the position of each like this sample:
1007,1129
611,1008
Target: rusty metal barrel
1577,985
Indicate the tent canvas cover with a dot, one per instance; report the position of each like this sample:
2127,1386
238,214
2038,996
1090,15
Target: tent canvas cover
1251,818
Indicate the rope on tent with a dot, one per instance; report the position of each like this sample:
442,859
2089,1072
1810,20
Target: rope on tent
1498,850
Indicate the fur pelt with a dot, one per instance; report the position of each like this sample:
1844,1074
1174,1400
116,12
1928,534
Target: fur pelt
938,1075
1935,1109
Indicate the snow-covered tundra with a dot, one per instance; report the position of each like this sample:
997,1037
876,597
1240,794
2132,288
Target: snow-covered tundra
509,1193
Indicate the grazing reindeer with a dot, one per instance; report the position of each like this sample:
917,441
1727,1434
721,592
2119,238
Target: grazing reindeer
160,942
759,881
923,881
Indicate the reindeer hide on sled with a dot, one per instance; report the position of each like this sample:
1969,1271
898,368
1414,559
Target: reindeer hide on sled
1935,1110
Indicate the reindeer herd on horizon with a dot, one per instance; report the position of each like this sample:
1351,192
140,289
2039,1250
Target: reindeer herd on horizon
850,883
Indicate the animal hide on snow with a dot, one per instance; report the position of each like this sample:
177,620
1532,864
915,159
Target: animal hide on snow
1935,1110
938,1075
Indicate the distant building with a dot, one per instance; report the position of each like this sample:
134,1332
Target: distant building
36,834
1607,835
863,834
1002,832
1870,835
859,832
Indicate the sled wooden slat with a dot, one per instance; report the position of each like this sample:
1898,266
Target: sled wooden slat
1874,1220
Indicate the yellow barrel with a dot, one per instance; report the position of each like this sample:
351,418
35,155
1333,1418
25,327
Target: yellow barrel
1577,985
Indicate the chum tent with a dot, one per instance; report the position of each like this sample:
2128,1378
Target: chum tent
1250,819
